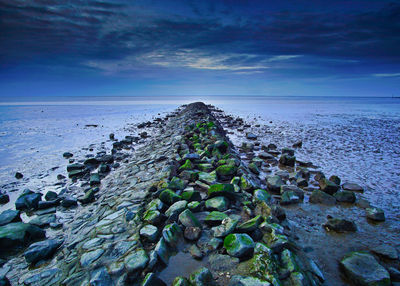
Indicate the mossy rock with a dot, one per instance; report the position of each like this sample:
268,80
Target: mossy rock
194,206
169,197
206,167
215,218
274,184
217,204
188,175
328,187
226,171
180,281
172,233
176,184
152,217
251,224
191,196
226,190
187,166
239,245
188,219
261,195
202,277
208,178
246,184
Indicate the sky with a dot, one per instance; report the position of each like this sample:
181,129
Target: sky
207,47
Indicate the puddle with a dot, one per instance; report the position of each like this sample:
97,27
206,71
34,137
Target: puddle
181,264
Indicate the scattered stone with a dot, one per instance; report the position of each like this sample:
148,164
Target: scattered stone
226,227
352,187
251,136
328,187
174,210
88,197
18,175
68,202
195,252
41,250
94,179
68,155
188,219
50,196
172,233
43,220
319,197
215,218
250,225
239,245
180,281
345,197
287,160
169,197
335,179
274,184
226,190
340,225
152,280
238,280
4,198
363,269
261,195
375,214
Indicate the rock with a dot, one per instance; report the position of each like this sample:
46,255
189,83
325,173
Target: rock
192,233
100,277
9,216
205,167
149,232
28,200
340,225
289,197
385,251
4,280
335,179
239,245
208,178
191,196
176,184
94,179
18,175
4,198
296,190
250,225
180,281
60,177
136,261
188,219
42,205
254,169
251,136
187,166
163,251
77,173
217,203
194,206
363,269
152,280
287,160
18,234
67,155
75,167
226,171
375,214
202,277
41,250
274,184
352,187
266,156
172,233
68,202
238,280
43,220
215,218
88,197
93,243
298,144
50,196
226,227
152,217
47,277
319,197
169,197
261,195
394,274
195,252
225,190
174,210
345,197
88,258
246,184
328,186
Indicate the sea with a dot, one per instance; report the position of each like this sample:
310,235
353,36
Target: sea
356,138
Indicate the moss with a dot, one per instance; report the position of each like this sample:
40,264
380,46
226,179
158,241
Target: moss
226,170
187,166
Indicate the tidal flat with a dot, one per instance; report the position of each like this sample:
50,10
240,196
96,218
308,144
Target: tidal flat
236,200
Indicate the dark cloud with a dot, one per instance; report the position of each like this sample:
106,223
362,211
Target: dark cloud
77,31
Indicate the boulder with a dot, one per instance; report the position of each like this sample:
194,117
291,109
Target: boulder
226,171
41,250
188,219
169,197
250,225
215,218
239,245
9,216
18,234
362,269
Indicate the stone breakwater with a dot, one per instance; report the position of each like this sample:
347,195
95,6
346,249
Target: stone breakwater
184,209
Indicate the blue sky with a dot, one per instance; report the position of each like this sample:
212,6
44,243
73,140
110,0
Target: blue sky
128,48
